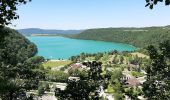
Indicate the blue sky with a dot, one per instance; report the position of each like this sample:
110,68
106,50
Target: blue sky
85,14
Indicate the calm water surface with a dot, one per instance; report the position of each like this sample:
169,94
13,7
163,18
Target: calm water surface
60,47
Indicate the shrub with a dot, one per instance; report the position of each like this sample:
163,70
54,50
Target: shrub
136,74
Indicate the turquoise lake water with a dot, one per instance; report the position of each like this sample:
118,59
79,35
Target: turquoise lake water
60,47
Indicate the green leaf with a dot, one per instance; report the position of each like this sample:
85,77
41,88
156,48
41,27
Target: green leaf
147,4
151,6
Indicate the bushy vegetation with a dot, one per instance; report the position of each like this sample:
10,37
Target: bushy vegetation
57,76
20,70
85,88
137,74
157,85
139,37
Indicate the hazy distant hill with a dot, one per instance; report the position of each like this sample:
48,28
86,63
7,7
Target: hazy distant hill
31,31
139,37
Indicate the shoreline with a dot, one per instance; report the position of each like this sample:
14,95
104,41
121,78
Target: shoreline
56,60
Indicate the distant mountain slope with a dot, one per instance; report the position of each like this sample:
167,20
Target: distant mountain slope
30,31
139,37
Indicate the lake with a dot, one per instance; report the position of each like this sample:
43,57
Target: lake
63,48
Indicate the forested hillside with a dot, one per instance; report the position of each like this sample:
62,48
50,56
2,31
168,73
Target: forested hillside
17,47
19,67
139,37
32,31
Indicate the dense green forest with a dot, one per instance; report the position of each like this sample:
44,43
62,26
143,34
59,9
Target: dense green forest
139,37
19,67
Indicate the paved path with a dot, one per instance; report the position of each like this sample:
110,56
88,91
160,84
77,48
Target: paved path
47,97
105,95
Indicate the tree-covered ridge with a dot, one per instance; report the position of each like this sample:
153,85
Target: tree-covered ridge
19,67
38,31
139,37
15,46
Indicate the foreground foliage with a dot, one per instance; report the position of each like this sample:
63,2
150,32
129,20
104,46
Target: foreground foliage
151,3
19,69
8,10
83,89
157,86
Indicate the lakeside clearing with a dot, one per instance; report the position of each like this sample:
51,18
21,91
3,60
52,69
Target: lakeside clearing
140,55
55,63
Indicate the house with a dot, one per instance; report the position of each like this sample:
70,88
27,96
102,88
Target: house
78,65
132,82
129,80
74,78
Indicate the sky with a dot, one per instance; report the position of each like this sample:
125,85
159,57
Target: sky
86,14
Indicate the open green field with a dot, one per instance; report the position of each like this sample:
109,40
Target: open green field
90,58
140,55
50,64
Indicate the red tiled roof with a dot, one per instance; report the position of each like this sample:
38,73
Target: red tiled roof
132,82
